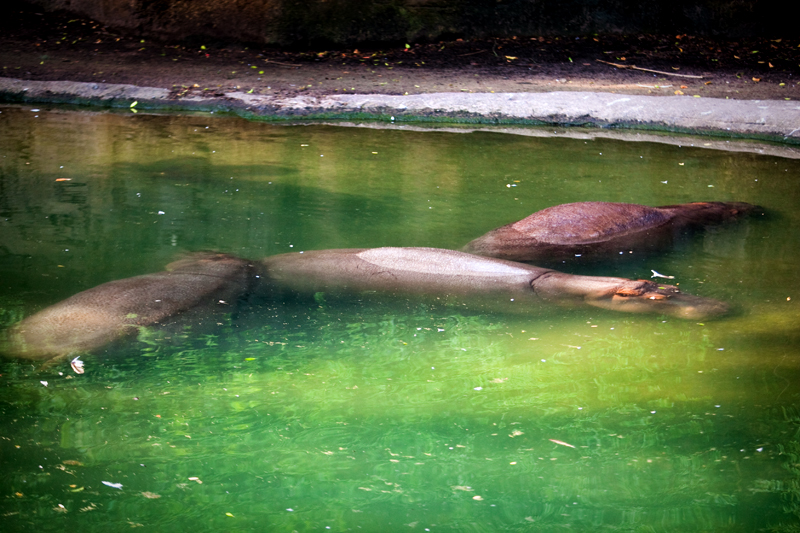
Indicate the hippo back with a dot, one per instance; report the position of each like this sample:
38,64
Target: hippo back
569,230
589,222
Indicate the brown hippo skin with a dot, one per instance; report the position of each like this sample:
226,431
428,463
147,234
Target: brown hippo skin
451,275
93,318
600,229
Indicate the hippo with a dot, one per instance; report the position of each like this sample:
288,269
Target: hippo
600,229
206,284
449,275
202,283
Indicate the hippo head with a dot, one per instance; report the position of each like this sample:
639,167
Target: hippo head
631,296
644,296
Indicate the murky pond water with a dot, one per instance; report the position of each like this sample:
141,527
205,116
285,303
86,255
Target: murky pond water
391,416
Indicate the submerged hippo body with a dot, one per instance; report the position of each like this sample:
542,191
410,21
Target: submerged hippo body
447,274
600,229
206,284
201,284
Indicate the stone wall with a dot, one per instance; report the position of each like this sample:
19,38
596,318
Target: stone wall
347,22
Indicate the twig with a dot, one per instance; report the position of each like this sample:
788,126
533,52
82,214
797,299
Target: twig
634,67
281,64
472,53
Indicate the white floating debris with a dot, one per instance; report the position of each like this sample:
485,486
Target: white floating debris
43,383
478,388
113,485
77,365
657,275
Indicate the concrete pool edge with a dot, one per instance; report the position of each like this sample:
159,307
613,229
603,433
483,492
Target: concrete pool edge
766,120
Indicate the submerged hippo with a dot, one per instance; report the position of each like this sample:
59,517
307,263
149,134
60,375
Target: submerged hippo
599,229
448,274
207,283
201,283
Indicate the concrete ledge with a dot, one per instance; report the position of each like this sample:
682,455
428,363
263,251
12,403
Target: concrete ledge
765,120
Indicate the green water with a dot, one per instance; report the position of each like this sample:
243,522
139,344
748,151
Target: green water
337,416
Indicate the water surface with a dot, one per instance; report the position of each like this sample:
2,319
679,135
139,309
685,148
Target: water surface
373,416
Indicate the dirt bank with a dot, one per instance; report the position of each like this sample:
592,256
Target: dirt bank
59,47
53,47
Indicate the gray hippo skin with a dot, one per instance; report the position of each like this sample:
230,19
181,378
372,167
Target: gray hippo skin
202,282
600,229
450,275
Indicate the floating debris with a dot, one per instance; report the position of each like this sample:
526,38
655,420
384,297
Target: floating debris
657,275
112,485
77,365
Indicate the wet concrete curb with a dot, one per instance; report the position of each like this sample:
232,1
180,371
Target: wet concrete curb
756,119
